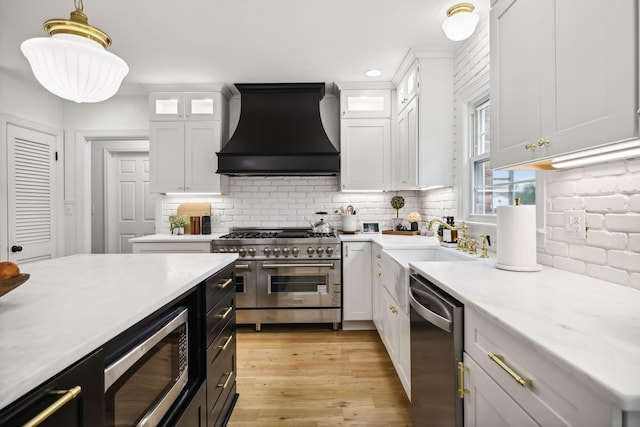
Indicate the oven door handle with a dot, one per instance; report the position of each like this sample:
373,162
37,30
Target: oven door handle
266,266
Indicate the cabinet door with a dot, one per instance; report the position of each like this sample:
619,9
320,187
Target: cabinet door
376,276
592,98
408,87
405,151
166,154
196,413
357,103
202,106
357,289
486,404
403,366
166,106
365,154
519,34
84,381
391,335
202,141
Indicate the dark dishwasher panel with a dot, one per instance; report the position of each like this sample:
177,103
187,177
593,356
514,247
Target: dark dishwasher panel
436,348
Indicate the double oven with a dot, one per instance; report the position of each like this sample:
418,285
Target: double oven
285,275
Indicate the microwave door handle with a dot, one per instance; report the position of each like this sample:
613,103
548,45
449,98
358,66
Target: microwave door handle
123,364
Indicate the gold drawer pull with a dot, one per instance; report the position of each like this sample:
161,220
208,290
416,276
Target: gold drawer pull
226,382
67,396
529,146
225,314
461,389
524,382
225,284
226,343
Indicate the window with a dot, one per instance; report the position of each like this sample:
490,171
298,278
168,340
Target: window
492,188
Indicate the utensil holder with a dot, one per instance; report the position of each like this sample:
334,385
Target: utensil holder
349,222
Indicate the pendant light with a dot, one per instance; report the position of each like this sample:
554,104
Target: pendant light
73,62
461,22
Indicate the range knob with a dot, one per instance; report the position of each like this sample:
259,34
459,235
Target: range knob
329,251
223,250
252,252
285,251
266,251
233,250
320,251
295,251
310,250
242,252
276,251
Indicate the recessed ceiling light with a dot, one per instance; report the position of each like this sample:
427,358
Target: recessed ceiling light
373,73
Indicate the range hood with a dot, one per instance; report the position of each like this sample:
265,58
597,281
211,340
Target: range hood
279,133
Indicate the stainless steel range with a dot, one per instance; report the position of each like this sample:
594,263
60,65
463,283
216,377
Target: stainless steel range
285,275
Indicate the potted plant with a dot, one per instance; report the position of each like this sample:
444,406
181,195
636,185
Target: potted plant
178,224
397,203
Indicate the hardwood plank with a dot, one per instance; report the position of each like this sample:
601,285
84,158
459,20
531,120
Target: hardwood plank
310,376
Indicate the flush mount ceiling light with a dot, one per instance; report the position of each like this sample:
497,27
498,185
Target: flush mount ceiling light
461,22
73,62
373,73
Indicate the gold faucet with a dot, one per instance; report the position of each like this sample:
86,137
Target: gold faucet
444,224
485,239
463,241
472,247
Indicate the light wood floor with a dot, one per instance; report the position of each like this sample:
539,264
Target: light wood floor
311,376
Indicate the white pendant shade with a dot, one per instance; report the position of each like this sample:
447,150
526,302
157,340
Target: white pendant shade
460,25
75,68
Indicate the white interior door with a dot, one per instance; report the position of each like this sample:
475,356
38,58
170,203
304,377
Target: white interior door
31,194
130,204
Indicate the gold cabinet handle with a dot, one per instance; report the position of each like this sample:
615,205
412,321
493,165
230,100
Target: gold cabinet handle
461,389
542,142
225,314
225,283
378,256
226,343
67,396
393,309
529,146
499,360
226,382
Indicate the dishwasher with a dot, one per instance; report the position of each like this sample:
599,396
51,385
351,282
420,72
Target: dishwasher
436,348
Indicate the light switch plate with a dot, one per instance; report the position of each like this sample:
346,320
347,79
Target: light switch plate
574,224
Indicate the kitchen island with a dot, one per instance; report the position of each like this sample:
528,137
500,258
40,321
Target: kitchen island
71,306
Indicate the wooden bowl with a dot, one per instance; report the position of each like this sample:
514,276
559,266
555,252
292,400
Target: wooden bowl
11,284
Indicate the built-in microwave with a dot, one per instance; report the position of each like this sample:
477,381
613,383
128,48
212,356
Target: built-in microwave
145,377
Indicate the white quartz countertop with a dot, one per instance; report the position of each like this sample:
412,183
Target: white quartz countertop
71,306
392,241
589,327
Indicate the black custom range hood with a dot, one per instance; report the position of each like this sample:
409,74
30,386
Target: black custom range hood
279,133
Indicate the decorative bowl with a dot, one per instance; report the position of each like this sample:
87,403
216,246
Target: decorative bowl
10,284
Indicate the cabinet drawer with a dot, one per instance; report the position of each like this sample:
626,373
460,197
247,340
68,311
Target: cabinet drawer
218,285
221,378
552,397
224,343
219,316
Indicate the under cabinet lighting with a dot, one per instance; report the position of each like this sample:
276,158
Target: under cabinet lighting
623,150
193,194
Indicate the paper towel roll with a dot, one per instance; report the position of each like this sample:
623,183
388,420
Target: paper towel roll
516,229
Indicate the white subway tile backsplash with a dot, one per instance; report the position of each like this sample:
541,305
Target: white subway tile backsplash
569,264
626,260
588,253
606,239
629,222
634,280
593,186
609,274
613,203
565,203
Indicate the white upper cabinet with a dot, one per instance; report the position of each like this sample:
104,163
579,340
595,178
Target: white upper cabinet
423,146
187,130
365,137
564,77
363,103
185,106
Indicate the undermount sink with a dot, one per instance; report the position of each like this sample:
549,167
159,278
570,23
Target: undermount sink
395,267
437,253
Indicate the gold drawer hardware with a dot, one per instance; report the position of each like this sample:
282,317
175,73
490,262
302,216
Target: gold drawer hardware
226,382
461,389
226,343
529,146
378,256
524,382
225,314
225,283
67,396
393,309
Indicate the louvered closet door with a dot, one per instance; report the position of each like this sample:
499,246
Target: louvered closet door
31,204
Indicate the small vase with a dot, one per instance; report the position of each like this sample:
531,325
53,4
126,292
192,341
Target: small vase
414,226
178,231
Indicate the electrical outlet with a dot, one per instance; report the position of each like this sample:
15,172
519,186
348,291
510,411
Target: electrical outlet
574,224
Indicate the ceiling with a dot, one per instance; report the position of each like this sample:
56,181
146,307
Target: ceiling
241,41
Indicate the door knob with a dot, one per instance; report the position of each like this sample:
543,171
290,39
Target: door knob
16,248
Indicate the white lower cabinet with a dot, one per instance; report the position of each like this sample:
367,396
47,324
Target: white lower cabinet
356,281
520,386
377,300
171,247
